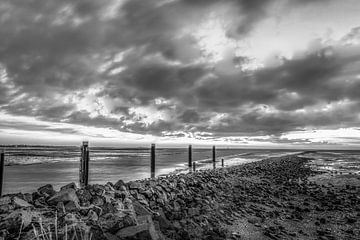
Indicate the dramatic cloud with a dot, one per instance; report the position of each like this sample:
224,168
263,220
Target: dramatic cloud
201,69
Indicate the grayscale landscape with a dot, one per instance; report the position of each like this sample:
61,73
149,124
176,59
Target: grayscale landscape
179,119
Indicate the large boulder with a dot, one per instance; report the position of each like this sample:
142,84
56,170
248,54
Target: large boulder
144,231
46,190
135,185
120,185
20,203
65,196
67,186
16,219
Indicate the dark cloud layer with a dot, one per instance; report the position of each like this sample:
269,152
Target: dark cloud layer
134,55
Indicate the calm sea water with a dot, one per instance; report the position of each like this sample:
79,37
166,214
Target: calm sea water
28,168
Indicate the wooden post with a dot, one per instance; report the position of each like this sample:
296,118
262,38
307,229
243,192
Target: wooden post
190,156
87,159
2,163
222,162
152,167
194,166
213,154
84,165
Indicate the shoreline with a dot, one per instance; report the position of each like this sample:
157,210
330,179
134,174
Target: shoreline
268,199
29,177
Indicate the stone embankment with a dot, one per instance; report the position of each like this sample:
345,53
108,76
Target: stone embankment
270,199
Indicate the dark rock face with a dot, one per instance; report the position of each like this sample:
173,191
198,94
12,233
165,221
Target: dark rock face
46,190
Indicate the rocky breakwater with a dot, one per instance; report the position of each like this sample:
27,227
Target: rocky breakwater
174,207
270,199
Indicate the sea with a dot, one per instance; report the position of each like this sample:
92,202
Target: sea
30,167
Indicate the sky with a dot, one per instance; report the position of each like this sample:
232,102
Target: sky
240,73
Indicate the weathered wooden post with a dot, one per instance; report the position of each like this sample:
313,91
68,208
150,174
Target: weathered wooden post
222,162
87,160
84,165
2,163
190,156
152,160
213,154
194,166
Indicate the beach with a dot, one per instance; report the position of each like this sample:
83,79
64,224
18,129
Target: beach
289,197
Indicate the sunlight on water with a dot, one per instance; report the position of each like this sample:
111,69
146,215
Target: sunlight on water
31,167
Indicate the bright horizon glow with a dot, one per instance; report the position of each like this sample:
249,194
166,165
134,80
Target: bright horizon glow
113,138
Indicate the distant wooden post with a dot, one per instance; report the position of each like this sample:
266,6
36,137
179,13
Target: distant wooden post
222,162
84,164
190,156
194,166
152,167
213,154
2,163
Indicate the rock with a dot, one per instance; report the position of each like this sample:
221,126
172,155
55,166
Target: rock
128,203
19,203
177,206
140,210
70,185
84,196
28,197
65,195
92,216
322,220
134,185
164,223
112,222
254,220
109,198
130,220
97,201
40,202
193,212
351,220
14,220
144,202
144,231
5,200
96,190
71,206
46,190
120,185
109,208
146,193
